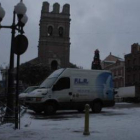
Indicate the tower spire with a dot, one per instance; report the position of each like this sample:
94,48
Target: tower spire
96,61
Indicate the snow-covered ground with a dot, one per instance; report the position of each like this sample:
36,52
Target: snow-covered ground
118,123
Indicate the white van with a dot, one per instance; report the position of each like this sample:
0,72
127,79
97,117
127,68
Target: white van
72,88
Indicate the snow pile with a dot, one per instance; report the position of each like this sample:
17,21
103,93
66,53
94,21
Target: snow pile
120,123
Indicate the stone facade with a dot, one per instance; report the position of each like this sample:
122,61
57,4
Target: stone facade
116,66
132,66
54,37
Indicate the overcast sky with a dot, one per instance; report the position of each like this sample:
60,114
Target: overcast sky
108,25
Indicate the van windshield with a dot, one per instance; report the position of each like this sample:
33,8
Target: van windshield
51,79
48,82
56,73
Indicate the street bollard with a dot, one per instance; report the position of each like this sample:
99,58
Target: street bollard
86,129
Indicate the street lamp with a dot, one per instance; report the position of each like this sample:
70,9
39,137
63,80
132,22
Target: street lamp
19,10
2,13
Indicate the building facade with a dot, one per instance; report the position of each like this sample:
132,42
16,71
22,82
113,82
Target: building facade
132,66
117,66
54,37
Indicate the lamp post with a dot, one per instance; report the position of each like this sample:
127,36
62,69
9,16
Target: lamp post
4,73
19,10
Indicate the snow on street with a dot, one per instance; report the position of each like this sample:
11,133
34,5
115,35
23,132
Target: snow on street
118,123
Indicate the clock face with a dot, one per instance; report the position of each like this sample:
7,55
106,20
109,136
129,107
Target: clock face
61,31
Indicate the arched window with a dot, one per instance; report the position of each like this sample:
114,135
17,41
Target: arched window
61,31
54,65
50,31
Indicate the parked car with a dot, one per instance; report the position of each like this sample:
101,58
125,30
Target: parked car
23,95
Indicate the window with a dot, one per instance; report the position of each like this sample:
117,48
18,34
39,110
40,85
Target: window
119,72
47,83
116,83
128,78
128,62
60,31
121,83
63,83
114,72
134,61
54,65
50,31
134,77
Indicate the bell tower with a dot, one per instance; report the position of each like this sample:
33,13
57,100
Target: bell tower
54,37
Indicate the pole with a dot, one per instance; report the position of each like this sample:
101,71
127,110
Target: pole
19,115
86,129
10,94
17,93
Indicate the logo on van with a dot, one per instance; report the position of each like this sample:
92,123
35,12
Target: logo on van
80,81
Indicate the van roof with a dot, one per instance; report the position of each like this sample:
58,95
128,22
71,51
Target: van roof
87,70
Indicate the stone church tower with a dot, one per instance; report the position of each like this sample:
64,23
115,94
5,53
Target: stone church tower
54,37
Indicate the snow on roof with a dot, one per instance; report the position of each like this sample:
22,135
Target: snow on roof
120,59
109,61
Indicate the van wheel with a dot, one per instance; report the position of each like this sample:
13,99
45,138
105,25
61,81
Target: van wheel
97,107
50,109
